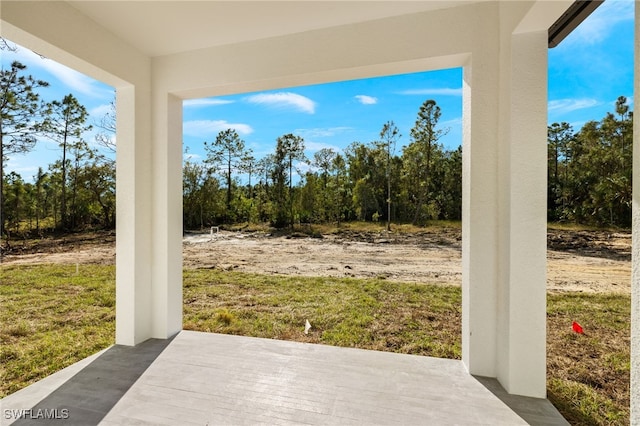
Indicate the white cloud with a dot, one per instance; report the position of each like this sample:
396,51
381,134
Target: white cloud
100,111
568,105
444,91
284,100
191,157
577,124
312,146
454,122
209,128
601,22
26,172
27,57
366,100
73,79
303,168
320,132
205,102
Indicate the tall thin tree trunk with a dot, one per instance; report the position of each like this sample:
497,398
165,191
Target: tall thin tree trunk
63,199
424,195
228,186
290,192
1,191
388,186
74,197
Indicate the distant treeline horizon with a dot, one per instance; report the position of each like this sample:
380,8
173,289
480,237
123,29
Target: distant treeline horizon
589,173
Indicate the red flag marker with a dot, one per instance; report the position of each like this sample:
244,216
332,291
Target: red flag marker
577,328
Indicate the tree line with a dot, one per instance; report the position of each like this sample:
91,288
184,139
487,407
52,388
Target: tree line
368,181
589,177
589,172
78,189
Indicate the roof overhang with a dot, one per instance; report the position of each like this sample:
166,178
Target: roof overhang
569,21
159,28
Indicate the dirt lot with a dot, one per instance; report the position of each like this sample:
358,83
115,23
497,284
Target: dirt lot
588,261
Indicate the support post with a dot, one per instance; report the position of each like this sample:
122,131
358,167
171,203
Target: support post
479,215
504,211
522,293
635,250
149,216
166,216
133,229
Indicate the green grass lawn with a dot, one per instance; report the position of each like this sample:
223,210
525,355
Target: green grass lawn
371,314
588,374
51,317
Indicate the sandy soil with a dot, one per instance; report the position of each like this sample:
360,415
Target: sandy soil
588,261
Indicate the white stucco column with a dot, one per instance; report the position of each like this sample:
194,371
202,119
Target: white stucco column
504,209
166,215
480,214
635,260
133,208
149,216
523,180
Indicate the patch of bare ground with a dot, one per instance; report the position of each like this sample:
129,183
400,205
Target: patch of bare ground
578,260
96,247
589,261
426,257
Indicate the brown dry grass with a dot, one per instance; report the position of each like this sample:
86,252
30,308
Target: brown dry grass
589,374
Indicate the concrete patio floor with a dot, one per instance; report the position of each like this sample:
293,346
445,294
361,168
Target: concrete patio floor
206,379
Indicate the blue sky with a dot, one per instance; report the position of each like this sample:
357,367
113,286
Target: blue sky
329,115
587,72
